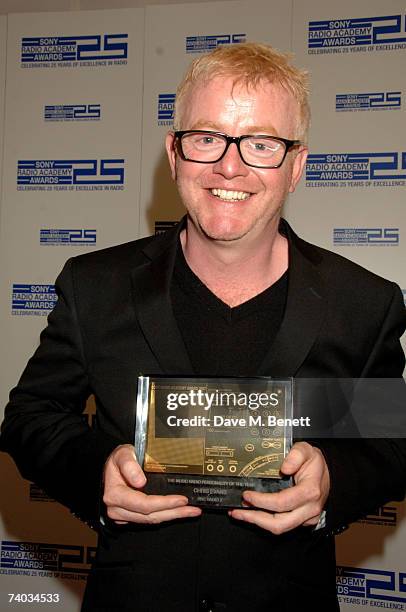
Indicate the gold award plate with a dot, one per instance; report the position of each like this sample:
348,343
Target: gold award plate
212,438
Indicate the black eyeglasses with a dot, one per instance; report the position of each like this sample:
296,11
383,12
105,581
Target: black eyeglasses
205,147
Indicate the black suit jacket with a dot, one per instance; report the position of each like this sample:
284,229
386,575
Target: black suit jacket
113,321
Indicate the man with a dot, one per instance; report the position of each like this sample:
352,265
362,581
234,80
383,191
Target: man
231,291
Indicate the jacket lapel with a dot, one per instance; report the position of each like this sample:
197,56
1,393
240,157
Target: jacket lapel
304,313
151,291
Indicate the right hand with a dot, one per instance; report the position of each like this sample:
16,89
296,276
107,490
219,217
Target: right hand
125,503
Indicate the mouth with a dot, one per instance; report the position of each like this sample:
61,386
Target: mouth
230,196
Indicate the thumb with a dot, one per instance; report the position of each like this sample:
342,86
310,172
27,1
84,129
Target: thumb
128,467
294,460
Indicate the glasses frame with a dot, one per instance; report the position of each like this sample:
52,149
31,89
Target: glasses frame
237,141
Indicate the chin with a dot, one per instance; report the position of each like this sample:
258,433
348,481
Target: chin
224,230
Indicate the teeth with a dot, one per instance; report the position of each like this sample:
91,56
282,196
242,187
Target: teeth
223,194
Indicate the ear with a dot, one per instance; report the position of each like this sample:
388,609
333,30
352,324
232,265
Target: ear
171,152
299,164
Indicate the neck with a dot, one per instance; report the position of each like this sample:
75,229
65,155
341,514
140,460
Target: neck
236,271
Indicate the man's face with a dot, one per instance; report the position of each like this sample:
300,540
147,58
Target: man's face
218,106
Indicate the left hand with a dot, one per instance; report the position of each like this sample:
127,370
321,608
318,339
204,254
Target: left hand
294,506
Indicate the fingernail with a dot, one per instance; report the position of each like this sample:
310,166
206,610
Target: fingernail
195,511
181,500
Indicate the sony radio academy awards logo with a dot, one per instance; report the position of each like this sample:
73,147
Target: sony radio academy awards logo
356,169
37,300
366,236
36,494
205,43
385,516
67,237
166,107
70,175
377,101
46,560
386,33
72,112
371,587
74,51
162,226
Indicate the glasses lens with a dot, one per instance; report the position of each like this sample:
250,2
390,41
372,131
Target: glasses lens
203,146
263,151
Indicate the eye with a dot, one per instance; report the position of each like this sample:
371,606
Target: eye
265,145
206,139
262,146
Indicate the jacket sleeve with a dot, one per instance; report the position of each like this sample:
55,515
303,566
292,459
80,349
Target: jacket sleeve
367,473
44,429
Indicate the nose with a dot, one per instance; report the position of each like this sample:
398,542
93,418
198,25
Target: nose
231,164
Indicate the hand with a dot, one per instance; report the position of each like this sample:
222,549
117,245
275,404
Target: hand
124,503
295,506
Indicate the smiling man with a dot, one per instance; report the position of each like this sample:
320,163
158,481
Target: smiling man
231,291
234,191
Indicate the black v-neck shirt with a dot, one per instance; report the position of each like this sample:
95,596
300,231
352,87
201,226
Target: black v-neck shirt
220,340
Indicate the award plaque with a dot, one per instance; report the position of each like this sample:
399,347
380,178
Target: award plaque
210,439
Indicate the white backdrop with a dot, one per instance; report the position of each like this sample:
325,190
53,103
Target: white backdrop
87,211
95,119
3,38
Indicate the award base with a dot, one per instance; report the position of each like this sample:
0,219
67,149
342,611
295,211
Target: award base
212,492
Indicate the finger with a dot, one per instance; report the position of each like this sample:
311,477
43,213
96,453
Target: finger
121,515
147,504
136,501
289,499
128,467
313,521
297,456
277,523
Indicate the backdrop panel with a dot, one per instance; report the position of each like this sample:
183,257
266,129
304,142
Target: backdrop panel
71,183
352,201
352,198
3,50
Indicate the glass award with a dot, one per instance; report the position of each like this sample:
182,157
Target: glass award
210,439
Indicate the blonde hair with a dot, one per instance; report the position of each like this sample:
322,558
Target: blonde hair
250,64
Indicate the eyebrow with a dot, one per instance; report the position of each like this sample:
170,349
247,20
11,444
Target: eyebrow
253,129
